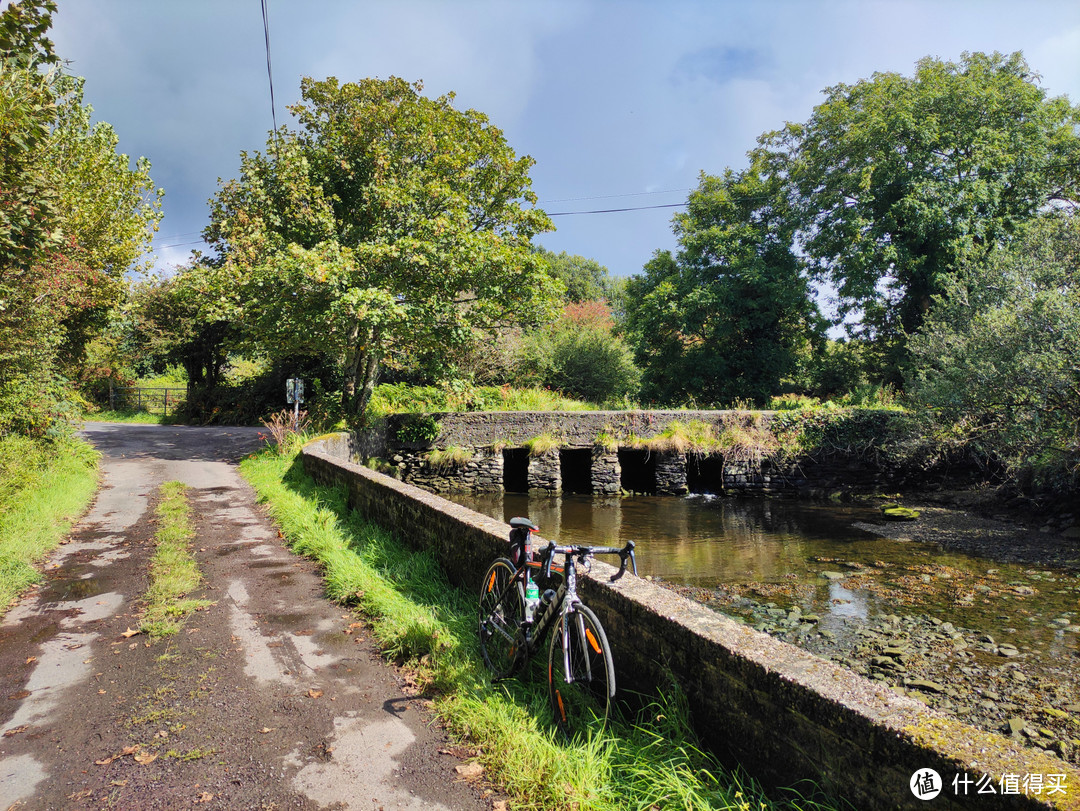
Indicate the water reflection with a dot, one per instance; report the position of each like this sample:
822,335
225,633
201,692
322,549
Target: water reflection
810,556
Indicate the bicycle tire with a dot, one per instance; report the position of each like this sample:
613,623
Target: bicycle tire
502,609
583,699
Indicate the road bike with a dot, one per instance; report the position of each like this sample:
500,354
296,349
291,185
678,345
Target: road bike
515,617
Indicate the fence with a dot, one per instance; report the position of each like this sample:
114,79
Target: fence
152,399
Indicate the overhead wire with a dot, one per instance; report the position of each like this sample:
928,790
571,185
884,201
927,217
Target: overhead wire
269,64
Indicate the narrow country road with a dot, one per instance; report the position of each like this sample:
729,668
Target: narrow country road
272,698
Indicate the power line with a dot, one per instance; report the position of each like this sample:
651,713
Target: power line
609,196
269,67
613,210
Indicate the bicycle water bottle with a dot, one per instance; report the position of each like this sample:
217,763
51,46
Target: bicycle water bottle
532,599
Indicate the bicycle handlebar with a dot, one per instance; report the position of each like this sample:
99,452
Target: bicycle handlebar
581,552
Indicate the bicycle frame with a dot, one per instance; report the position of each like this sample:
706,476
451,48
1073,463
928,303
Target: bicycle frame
566,597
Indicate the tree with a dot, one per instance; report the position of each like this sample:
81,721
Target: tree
585,279
897,182
581,355
388,219
62,267
998,352
728,315
27,110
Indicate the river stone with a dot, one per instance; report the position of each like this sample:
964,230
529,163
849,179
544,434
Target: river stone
833,575
1014,726
1007,651
1062,621
928,686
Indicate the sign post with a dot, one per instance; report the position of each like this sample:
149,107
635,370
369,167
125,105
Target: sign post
294,393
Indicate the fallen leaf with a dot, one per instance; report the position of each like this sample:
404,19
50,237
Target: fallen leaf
106,761
31,659
130,633
314,693
205,797
118,783
264,730
19,695
469,771
15,731
144,758
498,805
81,795
129,750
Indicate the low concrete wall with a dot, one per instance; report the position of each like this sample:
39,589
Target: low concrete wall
784,714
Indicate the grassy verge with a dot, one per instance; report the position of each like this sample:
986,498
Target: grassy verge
44,487
419,618
136,417
173,571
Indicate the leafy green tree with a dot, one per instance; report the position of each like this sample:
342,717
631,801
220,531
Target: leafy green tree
728,316
580,355
388,219
999,353
585,279
899,181
27,110
74,217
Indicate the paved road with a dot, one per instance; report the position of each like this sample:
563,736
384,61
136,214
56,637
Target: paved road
271,698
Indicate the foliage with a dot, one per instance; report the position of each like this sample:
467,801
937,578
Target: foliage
581,356
899,181
74,217
542,445
44,486
729,314
448,458
284,425
585,279
388,219
418,428
997,355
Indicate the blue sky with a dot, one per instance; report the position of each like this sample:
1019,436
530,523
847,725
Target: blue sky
621,104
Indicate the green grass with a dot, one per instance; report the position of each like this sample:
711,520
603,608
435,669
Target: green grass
136,417
44,487
420,619
173,571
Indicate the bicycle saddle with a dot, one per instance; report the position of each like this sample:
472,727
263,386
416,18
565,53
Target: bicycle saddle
524,522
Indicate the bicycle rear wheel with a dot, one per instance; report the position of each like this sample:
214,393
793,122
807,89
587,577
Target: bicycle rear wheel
581,676
502,609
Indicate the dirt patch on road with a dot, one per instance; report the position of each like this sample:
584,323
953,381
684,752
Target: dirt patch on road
271,698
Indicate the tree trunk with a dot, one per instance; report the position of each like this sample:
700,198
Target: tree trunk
362,367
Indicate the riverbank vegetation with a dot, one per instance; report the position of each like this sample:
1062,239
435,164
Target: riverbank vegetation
428,626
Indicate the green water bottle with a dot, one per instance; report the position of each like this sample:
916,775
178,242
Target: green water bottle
532,599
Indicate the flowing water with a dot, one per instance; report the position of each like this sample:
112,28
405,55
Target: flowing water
817,558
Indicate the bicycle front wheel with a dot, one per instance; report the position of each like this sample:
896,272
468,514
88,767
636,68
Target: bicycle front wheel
581,676
502,609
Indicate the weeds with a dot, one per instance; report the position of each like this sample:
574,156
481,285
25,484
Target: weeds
449,458
542,445
44,486
284,425
173,570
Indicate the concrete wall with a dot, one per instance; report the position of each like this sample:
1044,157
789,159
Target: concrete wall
784,714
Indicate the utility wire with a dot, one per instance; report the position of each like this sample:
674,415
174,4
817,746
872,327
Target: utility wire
269,67
613,210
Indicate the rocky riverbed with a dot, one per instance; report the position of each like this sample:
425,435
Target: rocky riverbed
920,626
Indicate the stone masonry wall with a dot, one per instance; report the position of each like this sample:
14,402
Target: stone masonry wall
781,712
